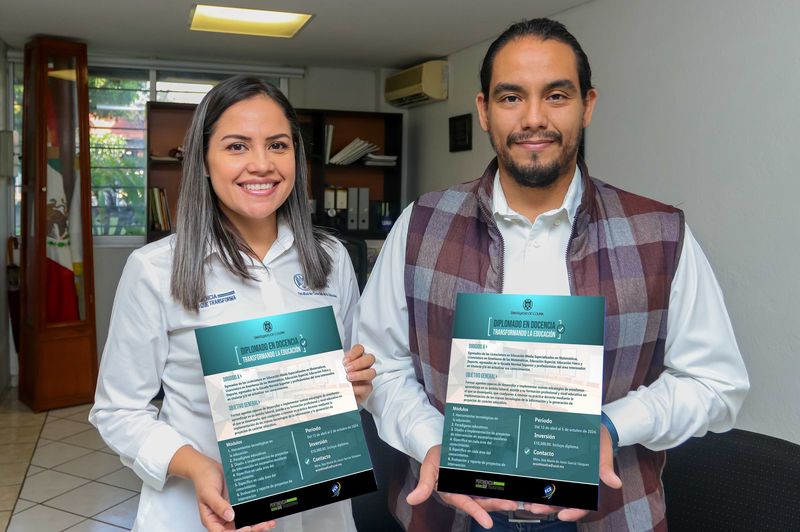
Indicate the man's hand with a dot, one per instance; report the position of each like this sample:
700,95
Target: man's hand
478,508
359,371
607,477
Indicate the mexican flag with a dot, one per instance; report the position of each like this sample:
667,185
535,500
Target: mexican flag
64,244
64,248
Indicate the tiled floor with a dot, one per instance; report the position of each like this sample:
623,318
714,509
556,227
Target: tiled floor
57,474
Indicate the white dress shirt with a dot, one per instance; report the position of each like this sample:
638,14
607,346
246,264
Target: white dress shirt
151,343
701,389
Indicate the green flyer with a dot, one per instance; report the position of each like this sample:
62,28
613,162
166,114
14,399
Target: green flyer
286,419
522,419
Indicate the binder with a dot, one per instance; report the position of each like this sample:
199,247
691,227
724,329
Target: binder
353,221
341,198
363,209
329,201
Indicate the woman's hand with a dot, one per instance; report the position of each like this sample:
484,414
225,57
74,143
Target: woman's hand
216,513
359,371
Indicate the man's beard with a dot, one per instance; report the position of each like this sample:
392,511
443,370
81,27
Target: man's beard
536,175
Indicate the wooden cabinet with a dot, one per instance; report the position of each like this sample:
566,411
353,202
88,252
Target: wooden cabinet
58,351
167,124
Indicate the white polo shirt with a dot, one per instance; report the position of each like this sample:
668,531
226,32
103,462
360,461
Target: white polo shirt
151,343
540,246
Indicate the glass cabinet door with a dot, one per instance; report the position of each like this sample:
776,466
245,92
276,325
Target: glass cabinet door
65,299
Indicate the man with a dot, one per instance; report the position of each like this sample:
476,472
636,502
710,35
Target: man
537,223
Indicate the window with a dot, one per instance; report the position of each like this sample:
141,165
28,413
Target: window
184,87
190,87
117,132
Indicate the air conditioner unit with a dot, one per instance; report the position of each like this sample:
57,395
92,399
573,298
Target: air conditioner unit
419,84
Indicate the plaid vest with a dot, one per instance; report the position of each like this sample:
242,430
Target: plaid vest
623,246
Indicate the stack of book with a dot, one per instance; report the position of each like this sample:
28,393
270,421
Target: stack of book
159,210
354,151
380,160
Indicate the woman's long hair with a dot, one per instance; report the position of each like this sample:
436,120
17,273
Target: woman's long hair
202,226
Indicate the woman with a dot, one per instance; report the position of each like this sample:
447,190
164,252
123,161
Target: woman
244,248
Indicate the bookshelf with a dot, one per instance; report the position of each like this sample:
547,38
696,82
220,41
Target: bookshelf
384,183
167,124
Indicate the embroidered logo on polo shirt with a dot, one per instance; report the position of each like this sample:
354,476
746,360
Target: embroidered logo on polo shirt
217,299
303,289
300,282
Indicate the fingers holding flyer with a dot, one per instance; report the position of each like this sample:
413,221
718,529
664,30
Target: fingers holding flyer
358,365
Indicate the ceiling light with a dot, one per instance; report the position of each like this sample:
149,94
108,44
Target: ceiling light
247,21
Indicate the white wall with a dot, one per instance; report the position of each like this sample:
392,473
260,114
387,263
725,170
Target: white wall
698,108
431,166
334,88
382,107
108,264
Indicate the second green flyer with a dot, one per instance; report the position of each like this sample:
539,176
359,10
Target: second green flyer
522,418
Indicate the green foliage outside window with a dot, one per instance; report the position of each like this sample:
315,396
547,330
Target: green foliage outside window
16,76
117,151
118,201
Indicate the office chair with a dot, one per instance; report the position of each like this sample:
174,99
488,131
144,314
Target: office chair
371,511
357,249
735,481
